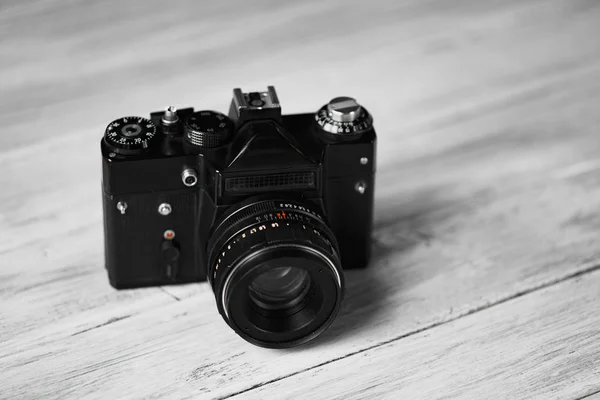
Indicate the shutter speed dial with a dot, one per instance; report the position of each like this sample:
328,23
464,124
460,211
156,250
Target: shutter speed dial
343,109
208,129
343,119
129,135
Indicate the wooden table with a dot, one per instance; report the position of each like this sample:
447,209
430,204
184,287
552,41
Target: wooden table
485,279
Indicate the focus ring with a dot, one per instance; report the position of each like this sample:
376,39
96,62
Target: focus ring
266,234
236,215
287,214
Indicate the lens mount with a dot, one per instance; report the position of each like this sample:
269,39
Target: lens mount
275,271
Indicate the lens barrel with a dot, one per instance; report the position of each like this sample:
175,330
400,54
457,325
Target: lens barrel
275,270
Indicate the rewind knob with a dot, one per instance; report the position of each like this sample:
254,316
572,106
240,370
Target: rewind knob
208,129
129,135
343,119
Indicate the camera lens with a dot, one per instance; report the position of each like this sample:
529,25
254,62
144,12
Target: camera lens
275,271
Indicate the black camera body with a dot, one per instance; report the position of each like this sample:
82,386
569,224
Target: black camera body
170,182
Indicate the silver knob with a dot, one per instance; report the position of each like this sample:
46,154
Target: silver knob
189,177
164,209
170,117
343,109
122,206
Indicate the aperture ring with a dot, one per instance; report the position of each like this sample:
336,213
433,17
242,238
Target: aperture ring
297,228
262,212
235,215
257,210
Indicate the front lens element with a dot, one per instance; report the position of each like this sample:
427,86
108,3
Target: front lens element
280,288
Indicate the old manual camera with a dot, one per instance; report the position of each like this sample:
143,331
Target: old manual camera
267,207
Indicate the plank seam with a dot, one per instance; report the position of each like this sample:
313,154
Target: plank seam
169,293
524,292
588,395
110,321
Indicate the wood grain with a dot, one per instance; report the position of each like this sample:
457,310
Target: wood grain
487,186
540,348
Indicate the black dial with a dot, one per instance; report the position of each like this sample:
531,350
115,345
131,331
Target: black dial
129,135
343,119
208,129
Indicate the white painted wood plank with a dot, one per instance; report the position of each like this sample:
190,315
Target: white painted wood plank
487,182
540,346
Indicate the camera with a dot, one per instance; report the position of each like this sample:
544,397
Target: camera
267,207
